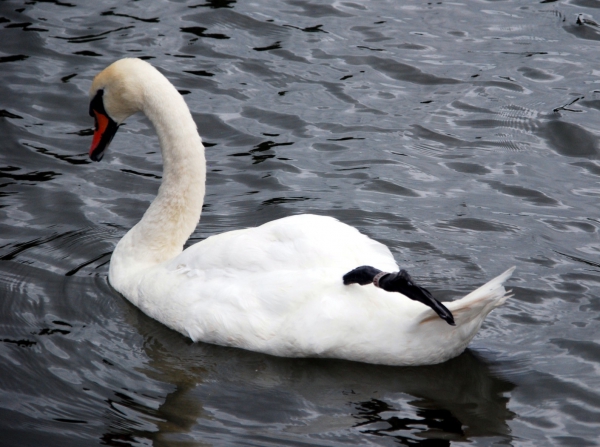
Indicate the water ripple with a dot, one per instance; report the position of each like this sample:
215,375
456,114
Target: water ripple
466,139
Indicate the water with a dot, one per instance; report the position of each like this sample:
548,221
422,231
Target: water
462,135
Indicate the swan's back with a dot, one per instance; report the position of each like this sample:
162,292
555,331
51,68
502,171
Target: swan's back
293,243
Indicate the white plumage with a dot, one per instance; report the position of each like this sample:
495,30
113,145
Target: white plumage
276,288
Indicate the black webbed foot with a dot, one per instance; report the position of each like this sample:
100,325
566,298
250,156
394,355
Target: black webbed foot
398,282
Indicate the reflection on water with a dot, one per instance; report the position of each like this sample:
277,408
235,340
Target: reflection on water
466,139
320,402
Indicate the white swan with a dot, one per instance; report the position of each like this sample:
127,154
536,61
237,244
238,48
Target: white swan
278,288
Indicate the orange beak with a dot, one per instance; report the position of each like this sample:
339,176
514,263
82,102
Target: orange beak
100,128
104,129
104,132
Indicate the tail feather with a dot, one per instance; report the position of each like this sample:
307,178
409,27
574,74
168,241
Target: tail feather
477,304
484,292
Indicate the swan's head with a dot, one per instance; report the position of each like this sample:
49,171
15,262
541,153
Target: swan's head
116,93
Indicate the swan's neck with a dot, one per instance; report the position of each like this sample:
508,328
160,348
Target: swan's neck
175,212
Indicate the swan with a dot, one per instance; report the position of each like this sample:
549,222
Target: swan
301,286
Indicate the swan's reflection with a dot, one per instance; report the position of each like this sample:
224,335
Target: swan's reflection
226,395
458,400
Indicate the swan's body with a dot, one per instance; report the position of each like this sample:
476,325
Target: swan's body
276,288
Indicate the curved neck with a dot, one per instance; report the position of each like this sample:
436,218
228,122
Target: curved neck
175,212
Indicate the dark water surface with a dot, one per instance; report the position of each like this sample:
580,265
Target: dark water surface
462,134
